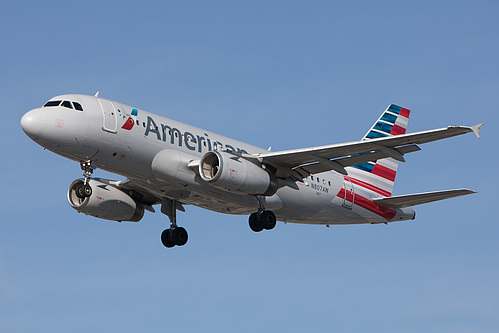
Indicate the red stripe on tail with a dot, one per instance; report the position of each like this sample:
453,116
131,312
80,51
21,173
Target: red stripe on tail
369,186
405,112
397,130
384,172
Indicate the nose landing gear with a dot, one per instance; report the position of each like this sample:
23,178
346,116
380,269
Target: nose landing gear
85,190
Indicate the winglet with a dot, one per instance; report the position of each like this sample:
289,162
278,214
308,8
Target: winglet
476,130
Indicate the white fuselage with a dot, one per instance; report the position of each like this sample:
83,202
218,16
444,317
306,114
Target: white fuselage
125,140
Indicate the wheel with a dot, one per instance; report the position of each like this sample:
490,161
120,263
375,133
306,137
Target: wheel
179,236
79,192
166,238
255,223
268,220
87,190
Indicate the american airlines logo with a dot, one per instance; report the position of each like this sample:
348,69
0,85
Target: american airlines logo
129,123
189,140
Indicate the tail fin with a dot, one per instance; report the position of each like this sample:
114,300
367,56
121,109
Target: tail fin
380,174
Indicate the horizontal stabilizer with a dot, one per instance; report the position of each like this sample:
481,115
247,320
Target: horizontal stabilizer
401,201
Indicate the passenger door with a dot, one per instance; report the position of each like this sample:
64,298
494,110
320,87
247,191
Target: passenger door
110,122
349,191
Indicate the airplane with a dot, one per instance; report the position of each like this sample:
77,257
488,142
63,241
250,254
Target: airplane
172,164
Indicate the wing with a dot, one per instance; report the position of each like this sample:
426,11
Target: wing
300,163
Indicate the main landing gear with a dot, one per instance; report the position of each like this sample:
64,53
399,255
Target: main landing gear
85,190
175,235
262,219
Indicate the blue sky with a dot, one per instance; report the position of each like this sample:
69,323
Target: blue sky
285,74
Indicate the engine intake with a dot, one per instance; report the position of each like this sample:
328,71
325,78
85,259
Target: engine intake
106,202
236,174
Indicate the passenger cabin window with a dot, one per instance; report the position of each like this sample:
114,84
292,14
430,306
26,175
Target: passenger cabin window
52,103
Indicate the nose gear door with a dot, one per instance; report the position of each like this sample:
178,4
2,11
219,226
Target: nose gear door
110,121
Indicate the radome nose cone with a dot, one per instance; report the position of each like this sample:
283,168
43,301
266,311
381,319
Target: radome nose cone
33,123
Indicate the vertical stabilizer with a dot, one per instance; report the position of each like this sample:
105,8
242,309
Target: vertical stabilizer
380,174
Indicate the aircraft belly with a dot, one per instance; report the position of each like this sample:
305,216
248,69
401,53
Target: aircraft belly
308,206
211,199
218,203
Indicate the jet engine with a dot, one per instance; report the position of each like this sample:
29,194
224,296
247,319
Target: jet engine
106,202
233,173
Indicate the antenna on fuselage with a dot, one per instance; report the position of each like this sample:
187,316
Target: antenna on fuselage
97,94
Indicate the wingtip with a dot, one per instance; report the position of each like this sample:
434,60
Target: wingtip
465,191
476,129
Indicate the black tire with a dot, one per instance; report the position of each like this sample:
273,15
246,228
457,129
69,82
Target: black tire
166,238
179,236
268,220
79,192
255,223
87,190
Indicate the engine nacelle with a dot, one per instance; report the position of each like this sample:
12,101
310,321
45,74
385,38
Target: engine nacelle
106,202
236,174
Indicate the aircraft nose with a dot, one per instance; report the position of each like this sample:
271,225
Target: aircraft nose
33,123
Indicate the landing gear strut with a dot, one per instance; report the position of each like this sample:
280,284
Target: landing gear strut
85,190
175,235
262,219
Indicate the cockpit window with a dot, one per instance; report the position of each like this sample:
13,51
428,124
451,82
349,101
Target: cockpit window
52,103
67,104
78,106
